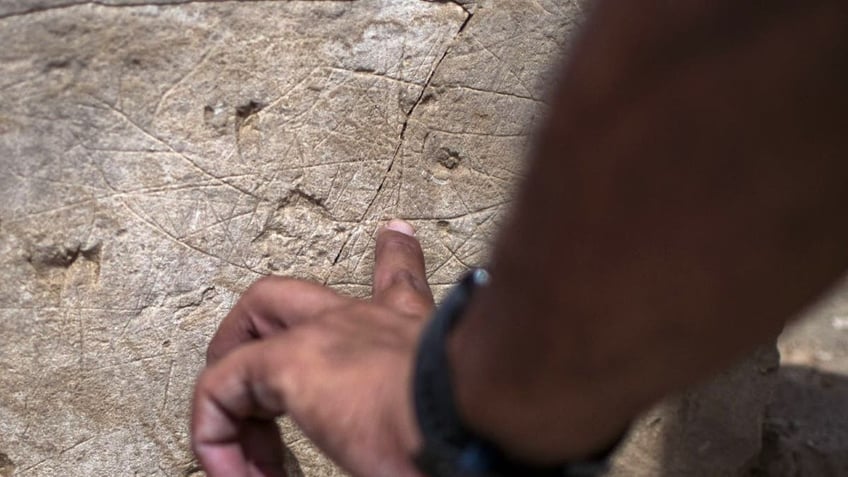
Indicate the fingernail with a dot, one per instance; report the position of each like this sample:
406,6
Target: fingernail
400,226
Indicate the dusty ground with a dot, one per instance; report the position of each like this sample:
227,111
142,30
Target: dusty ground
158,156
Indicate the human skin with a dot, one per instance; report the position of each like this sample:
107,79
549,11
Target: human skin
340,367
696,157
684,199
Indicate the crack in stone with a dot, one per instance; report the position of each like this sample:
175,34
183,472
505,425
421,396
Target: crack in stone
499,93
103,3
418,100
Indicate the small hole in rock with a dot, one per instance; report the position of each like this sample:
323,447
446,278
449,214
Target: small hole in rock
449,158
248,109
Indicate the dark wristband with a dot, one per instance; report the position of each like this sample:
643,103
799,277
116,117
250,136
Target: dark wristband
450,449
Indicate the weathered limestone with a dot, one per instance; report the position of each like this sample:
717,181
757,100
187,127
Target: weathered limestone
158,158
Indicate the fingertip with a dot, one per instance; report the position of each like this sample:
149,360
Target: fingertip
400,278
401,226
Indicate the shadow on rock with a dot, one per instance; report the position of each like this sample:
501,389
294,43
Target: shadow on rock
806,428
711,430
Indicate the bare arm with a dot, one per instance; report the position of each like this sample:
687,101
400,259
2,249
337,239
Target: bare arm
686,198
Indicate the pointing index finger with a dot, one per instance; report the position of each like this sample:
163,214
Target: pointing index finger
400,279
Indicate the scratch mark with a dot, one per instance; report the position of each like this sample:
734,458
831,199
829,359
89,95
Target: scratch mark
502,63
187,245
68,449
409,113
131,3
499,93
372,73
182,79
481,134
337,258
33,466
167,145
454,253
168,385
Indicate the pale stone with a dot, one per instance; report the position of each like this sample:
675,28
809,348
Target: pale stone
159,156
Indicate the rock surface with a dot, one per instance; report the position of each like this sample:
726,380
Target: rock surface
159,158
713,430
806,426
160,155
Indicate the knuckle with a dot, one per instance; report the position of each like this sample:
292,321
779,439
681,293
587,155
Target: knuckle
194,443
311,332
203,387
406,282
276,284
271,281
212,355
411,283
408,299
265,283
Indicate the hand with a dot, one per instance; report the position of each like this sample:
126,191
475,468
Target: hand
340,367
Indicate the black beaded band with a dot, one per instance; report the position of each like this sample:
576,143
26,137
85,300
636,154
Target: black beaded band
441,427
450,449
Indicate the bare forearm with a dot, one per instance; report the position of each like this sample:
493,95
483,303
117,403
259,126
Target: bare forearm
678,209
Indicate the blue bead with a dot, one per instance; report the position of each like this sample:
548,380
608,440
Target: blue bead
475,460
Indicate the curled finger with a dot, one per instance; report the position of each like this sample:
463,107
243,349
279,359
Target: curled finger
235,402
272,303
